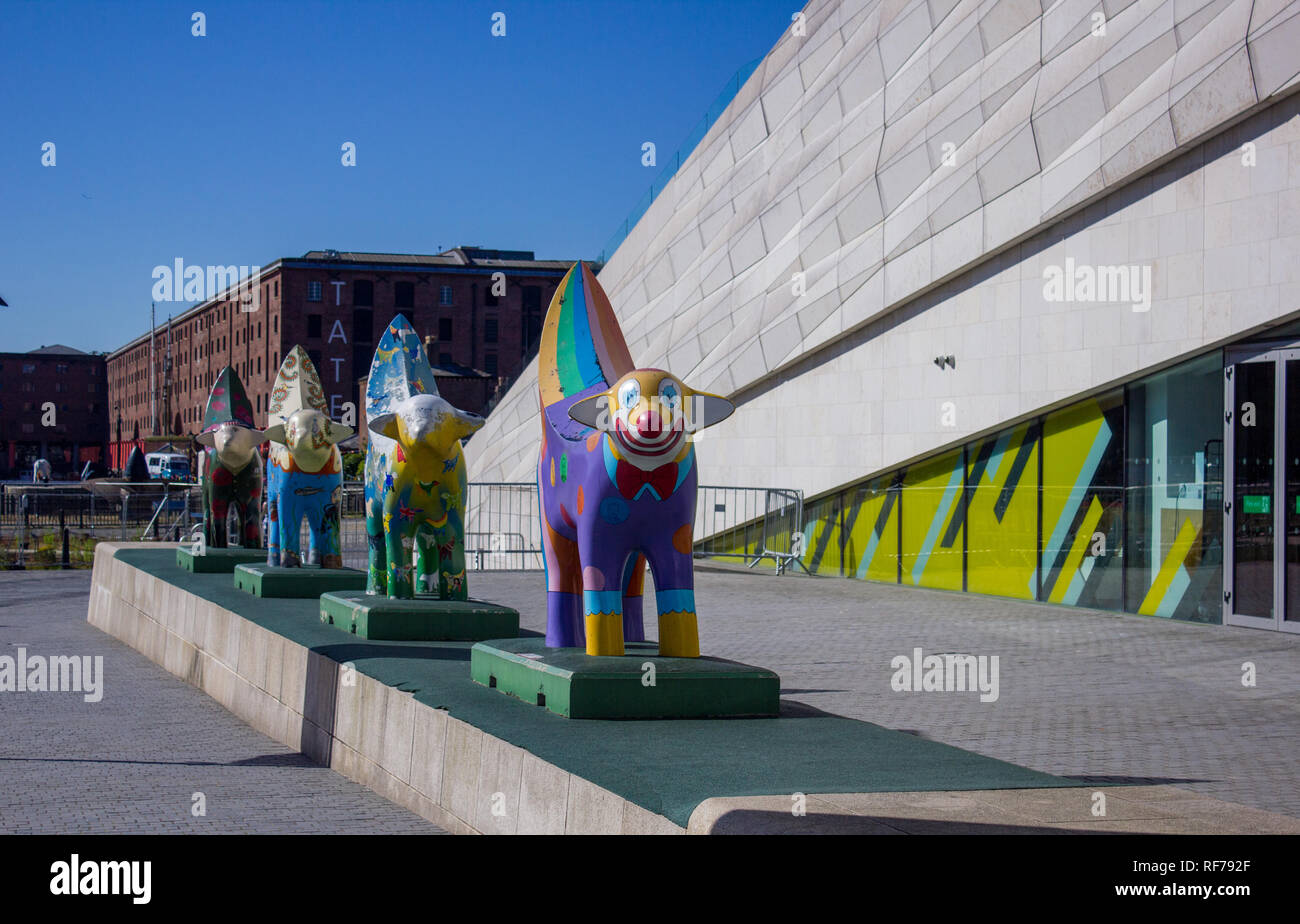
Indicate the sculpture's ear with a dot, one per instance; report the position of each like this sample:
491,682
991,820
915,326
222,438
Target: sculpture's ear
276,434
338,432
384,425
468,423
707,409
592,411
206,438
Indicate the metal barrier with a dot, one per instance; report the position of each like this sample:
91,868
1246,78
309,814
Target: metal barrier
753,524
122,510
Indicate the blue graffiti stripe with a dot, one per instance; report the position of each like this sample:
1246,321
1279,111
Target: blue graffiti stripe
936,525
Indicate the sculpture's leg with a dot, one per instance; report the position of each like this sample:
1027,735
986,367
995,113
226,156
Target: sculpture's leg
674,575
273,528
633,585
564,628
400,578
219,510
603,560
377,551
452,581
427,567
327,536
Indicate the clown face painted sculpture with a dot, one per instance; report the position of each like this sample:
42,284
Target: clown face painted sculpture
618,480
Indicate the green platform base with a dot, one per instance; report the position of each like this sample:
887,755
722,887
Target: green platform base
424,619
569,682
217,561
263,580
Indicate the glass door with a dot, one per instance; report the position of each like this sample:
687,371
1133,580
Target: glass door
1262,490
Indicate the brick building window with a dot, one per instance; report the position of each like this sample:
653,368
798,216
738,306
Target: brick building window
490,363
444,330
314,356
363,323
444,296
403,295
313,290
444,359
313,325
490,330
363,293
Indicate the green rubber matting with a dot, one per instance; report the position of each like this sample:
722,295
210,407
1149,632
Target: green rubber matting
426,618
638,685
217,561
263,580
668,766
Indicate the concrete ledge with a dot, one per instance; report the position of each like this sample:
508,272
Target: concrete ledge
1127,810
415,755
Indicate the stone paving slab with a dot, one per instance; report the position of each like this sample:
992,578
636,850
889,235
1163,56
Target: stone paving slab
1100,697
132,762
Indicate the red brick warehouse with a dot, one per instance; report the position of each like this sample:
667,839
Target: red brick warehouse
336,306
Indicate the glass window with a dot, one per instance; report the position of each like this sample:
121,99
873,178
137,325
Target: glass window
314,290
403,295
363,293
1083,494
313,325
444,330
932,523
1174,502
490,330
870,530
363,324
1001,513
444,295
490,363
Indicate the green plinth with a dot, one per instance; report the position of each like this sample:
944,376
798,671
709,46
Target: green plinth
571,683
424,619
217,561
263,580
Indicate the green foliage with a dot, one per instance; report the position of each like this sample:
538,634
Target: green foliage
353,465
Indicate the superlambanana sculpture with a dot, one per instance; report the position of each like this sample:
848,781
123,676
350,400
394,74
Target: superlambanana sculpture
231,473
618,480
415,472
304,470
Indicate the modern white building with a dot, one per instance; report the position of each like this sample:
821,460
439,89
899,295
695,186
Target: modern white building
1010,290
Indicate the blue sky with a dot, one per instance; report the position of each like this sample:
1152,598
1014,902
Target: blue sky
225,149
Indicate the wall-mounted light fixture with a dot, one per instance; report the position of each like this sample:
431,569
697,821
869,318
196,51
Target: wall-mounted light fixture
948,360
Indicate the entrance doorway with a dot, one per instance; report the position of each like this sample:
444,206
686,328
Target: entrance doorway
1261,577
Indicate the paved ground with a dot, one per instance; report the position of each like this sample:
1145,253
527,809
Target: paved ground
132,762
1100,697
1095,696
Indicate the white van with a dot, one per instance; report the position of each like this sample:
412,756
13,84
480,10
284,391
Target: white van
172,466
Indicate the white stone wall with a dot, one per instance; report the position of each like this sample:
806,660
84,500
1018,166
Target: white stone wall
891,155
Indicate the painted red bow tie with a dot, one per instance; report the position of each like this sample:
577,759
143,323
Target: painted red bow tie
631,479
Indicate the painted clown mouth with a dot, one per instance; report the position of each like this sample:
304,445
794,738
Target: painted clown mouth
653,441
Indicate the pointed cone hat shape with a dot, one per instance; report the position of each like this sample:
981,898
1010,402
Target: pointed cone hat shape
227,402
582,345
297,386
400,369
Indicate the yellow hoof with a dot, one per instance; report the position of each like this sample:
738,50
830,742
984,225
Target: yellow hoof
604,633
679,635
